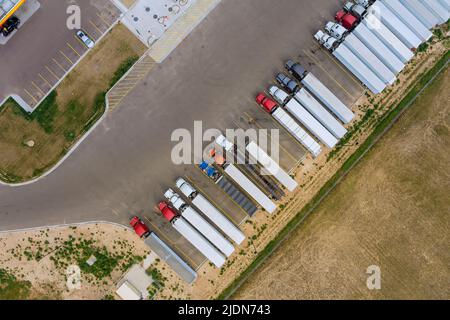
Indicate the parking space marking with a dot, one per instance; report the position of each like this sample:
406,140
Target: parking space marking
104,21
260,127
210,200
317,62
73,49
59,65
67,58
52,73
37,88
45,80
30,95
95,27
171,242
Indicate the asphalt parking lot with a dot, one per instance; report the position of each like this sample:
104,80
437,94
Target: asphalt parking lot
44,49
125,166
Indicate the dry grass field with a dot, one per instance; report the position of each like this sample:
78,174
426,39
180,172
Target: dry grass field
392,210
67,113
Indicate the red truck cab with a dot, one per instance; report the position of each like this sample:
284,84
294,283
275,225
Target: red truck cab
139,227
268,104
347,20
167,211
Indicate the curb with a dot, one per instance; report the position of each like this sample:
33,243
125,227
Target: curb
66,225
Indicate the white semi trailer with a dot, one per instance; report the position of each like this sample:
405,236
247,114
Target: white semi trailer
192,235
409,19
396,26
421,12
320,113
210,211
310,123
198,241
378,48
445,4
199,223
249,187
271,166
290,125
438,10
328,98
359,49
359,69
388,38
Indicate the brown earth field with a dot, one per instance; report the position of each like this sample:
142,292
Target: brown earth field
392,211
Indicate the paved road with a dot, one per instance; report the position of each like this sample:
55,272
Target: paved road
44,48
124,166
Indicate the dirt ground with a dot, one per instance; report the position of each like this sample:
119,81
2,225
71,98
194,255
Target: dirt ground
78,106
391,211
32,256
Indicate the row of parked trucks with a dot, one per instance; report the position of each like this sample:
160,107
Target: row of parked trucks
376,39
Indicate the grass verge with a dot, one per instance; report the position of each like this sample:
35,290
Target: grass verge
384,124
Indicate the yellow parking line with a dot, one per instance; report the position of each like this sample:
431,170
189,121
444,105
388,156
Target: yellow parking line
96,28
52,73
209,199
37,88
170,242
59,65
76,52
29,94
328,74
104,21
45,80
67,58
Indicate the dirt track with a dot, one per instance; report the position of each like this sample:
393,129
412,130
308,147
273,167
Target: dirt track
391,211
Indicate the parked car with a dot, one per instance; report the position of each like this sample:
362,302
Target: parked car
10,25
139,227
88,42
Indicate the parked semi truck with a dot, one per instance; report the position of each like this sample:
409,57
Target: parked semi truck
163,250
320,113
388,38
271,166
359,49
409,19
210,211
378,48
396,26
326,96
302,115
336,30
192,235
199,223
246,184
421,12
289,124
359,68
